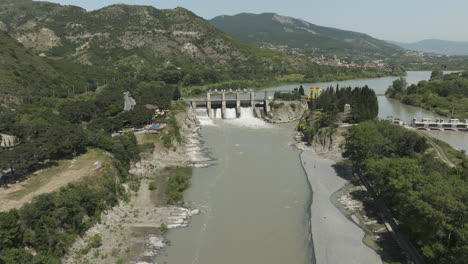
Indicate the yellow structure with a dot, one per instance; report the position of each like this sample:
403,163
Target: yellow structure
314,92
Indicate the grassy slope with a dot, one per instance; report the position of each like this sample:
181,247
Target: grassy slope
92,163
21,69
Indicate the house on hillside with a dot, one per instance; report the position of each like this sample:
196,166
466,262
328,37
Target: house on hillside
157,111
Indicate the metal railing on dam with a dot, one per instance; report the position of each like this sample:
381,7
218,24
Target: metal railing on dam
224,99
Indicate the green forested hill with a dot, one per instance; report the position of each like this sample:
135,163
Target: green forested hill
272,29
20,69
136,37
26,75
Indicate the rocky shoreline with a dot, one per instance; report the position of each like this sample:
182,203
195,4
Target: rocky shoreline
342,230
345,224
286,111
336,239
133,231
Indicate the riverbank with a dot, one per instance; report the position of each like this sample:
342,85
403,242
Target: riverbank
335,238
133,231
263,84
286,111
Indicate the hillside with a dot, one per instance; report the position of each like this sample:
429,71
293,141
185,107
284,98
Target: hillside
24,75
444,47
20,69
295,35
135,37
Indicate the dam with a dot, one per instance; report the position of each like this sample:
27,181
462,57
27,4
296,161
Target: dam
440,124
228,103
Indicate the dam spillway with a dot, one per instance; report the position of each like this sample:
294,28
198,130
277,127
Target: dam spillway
440,124
228,104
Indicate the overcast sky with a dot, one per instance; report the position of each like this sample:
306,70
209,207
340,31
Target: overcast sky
399,20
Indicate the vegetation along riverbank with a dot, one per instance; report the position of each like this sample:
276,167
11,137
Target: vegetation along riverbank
97,206
446,95
400,168
401,165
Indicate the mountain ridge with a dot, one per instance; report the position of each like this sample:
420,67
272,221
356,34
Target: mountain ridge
438,46
135,36
311,39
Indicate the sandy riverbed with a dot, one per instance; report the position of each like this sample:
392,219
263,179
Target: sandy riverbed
336,239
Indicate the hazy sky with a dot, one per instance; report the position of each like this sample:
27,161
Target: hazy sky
399,20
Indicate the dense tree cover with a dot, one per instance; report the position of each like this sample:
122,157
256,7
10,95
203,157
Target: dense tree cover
289,96
445,94
429,200
51,222
77,111
51,124
363,102
42,136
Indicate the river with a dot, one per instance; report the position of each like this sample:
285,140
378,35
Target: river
391,107
254,198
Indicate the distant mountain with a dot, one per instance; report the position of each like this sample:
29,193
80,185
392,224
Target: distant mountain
135,37
280,32
444,47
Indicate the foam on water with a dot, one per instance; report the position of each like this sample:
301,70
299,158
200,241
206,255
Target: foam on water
230,113
247,119
202,116
216,113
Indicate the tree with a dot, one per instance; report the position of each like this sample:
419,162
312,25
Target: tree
364,104
399,85
171,76
437,74
138,116
192,79
176,94
78,111
301,90
10,233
